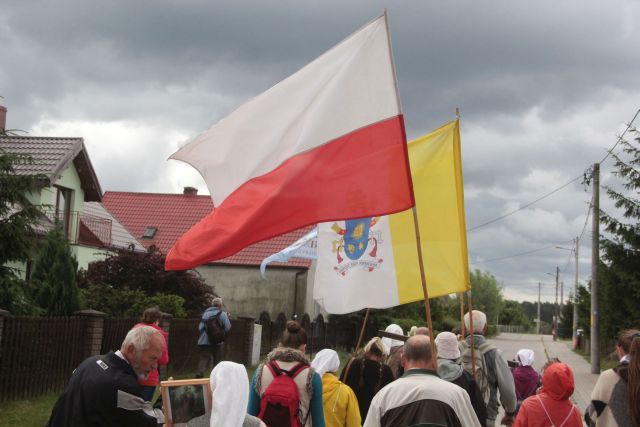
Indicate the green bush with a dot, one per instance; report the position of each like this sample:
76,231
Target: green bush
128,303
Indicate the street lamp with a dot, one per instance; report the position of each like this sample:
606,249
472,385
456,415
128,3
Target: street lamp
574,327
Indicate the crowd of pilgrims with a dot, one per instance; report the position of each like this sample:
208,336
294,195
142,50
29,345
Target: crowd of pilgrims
330,396
397,380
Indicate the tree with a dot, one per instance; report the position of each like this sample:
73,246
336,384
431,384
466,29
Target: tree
17,237
127,271
565,330
583,304
54,276
487,294
620,267
513,314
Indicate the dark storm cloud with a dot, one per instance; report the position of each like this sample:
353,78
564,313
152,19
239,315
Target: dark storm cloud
541,89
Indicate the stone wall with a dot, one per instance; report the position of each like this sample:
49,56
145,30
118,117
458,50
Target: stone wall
246,293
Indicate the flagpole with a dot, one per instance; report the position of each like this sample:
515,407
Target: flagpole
355,351
364,325
461,298
423,279
473,357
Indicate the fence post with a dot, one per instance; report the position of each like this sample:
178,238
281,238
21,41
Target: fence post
3,314
165,324
247,345
94,331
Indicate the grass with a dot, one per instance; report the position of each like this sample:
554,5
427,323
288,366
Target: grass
606,362
27,413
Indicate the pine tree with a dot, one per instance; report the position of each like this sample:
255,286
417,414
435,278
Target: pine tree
620,269
54,276
17,219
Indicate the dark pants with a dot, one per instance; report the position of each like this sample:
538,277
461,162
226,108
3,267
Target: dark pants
210,356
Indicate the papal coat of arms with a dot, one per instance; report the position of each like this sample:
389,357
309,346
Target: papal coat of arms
356,245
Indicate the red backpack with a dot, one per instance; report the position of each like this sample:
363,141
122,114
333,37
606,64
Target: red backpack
280,403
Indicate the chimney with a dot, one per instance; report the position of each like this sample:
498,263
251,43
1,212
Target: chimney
3,118
190,191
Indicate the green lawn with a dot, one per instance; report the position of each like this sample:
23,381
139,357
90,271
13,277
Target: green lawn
32,412
605,362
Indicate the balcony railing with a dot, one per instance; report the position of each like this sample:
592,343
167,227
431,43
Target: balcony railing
82,228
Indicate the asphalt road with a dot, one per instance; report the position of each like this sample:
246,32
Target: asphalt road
545,348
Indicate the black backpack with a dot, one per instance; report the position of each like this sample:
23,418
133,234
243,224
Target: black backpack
215,329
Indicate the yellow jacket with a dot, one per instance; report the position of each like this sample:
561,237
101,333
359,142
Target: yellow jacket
340,403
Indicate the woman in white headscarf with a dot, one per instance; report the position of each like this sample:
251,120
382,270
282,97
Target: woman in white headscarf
526,379
338,399
395,350
230,396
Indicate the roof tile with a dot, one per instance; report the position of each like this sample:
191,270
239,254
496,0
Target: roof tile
174,214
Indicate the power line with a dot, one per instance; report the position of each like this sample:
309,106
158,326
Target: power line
522,253
619,139
525,206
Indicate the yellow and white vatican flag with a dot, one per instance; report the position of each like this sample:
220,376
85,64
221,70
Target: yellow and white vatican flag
373,262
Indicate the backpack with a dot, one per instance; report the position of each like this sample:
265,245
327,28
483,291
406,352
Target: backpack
215,330
280,403
482,371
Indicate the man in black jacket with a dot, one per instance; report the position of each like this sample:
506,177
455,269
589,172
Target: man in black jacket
104,390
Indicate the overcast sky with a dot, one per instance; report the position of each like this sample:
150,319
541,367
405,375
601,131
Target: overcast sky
543,88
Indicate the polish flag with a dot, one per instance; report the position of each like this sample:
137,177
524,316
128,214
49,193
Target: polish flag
325,144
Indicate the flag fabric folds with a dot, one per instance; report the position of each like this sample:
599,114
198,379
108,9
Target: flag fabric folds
326,143
304,247
373,262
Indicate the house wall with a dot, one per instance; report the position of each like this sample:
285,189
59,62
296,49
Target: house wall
69,179
87,254
246,293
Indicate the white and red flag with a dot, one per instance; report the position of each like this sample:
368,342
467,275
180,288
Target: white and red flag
325,144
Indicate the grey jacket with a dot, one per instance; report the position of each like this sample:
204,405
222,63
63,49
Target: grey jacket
500,379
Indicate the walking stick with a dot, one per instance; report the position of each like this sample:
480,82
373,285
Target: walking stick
473,357
355,351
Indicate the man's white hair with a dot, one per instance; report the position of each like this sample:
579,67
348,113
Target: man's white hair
479,321
140,338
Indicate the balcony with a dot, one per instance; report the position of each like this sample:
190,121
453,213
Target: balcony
83,229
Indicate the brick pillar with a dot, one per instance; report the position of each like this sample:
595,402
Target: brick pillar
165,324
3,314
94,331
247,344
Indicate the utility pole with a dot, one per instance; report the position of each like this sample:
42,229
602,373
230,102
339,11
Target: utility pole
555,318
595,259
539,286
574,328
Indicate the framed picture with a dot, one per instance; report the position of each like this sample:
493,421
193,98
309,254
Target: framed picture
184,400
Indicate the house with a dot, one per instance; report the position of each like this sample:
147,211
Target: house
161,219
69,194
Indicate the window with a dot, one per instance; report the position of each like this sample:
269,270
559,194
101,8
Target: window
149,232
63,208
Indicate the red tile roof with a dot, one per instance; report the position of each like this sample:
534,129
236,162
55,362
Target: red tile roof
175,214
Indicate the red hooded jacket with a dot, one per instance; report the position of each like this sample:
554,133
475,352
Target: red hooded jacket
551,406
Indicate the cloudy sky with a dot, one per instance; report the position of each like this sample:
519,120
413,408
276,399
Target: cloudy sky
543,92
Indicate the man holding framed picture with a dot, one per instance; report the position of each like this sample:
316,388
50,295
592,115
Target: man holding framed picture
104,390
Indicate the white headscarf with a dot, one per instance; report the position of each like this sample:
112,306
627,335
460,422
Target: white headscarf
526,356
447,345
325,361
230,394
390,342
